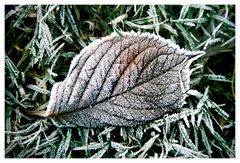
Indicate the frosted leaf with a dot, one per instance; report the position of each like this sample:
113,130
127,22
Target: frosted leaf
122,81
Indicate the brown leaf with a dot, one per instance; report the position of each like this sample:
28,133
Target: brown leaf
122,81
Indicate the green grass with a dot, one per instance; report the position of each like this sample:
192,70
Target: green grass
40,42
